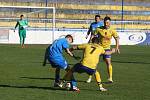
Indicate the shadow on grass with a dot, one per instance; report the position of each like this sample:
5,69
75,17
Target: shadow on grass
131,62
42,88
107,82
33,87
47,64
38,78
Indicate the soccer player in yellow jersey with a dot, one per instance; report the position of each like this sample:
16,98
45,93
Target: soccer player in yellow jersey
88,64
105,34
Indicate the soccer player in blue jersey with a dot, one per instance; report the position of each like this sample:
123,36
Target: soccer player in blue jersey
55,56
94,25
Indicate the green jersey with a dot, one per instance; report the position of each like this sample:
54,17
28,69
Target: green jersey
22,24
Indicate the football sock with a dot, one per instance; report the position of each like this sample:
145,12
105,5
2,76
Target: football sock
57,76
110,72
97,76
90,76
100,84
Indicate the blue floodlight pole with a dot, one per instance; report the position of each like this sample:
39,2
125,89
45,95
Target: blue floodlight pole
122,16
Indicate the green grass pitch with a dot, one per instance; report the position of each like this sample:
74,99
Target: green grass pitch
22,76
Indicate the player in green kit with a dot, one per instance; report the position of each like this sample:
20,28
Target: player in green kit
22,23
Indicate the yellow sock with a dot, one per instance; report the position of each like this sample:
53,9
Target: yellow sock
100,84
110,72
97,76
90,76
98,79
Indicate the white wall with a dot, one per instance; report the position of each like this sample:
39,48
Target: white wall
46,37
32,37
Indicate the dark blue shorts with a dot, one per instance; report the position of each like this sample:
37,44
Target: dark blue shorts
106,56
83,69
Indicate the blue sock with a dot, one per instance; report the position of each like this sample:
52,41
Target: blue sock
57,78
73,83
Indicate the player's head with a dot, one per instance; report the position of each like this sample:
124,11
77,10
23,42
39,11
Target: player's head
107,22
21,16
69,38
97,18
95,40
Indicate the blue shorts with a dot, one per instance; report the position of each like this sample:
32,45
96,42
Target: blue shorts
83,69
58,63
106,56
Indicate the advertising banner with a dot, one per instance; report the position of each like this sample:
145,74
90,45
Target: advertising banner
47,37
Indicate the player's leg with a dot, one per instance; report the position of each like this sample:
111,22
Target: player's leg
107,59
57,77
70,77
90,71
77,68
67,77
57,64
98,80
109,69
82,69
24,36
60,64
89,79
21,37
45,57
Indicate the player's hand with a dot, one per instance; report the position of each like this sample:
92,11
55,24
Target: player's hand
76,57
117,50
113,50
71,49
86,36
74,46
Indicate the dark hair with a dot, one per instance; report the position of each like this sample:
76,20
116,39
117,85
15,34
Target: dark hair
95,40
107,18
21,15
97,16
69,36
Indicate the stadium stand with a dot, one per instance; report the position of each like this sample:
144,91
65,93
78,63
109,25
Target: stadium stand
80,13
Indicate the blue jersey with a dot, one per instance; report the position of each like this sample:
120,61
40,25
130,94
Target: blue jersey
94,25
56,49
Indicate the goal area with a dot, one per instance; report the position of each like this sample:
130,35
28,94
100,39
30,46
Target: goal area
39,18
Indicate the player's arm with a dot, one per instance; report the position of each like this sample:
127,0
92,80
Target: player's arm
102,51
77,47
95,33
69,52
116,37
113,50
117,44
89,31
27,23
16,26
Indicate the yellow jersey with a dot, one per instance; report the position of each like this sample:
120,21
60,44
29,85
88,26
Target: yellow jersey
105,36
91,55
